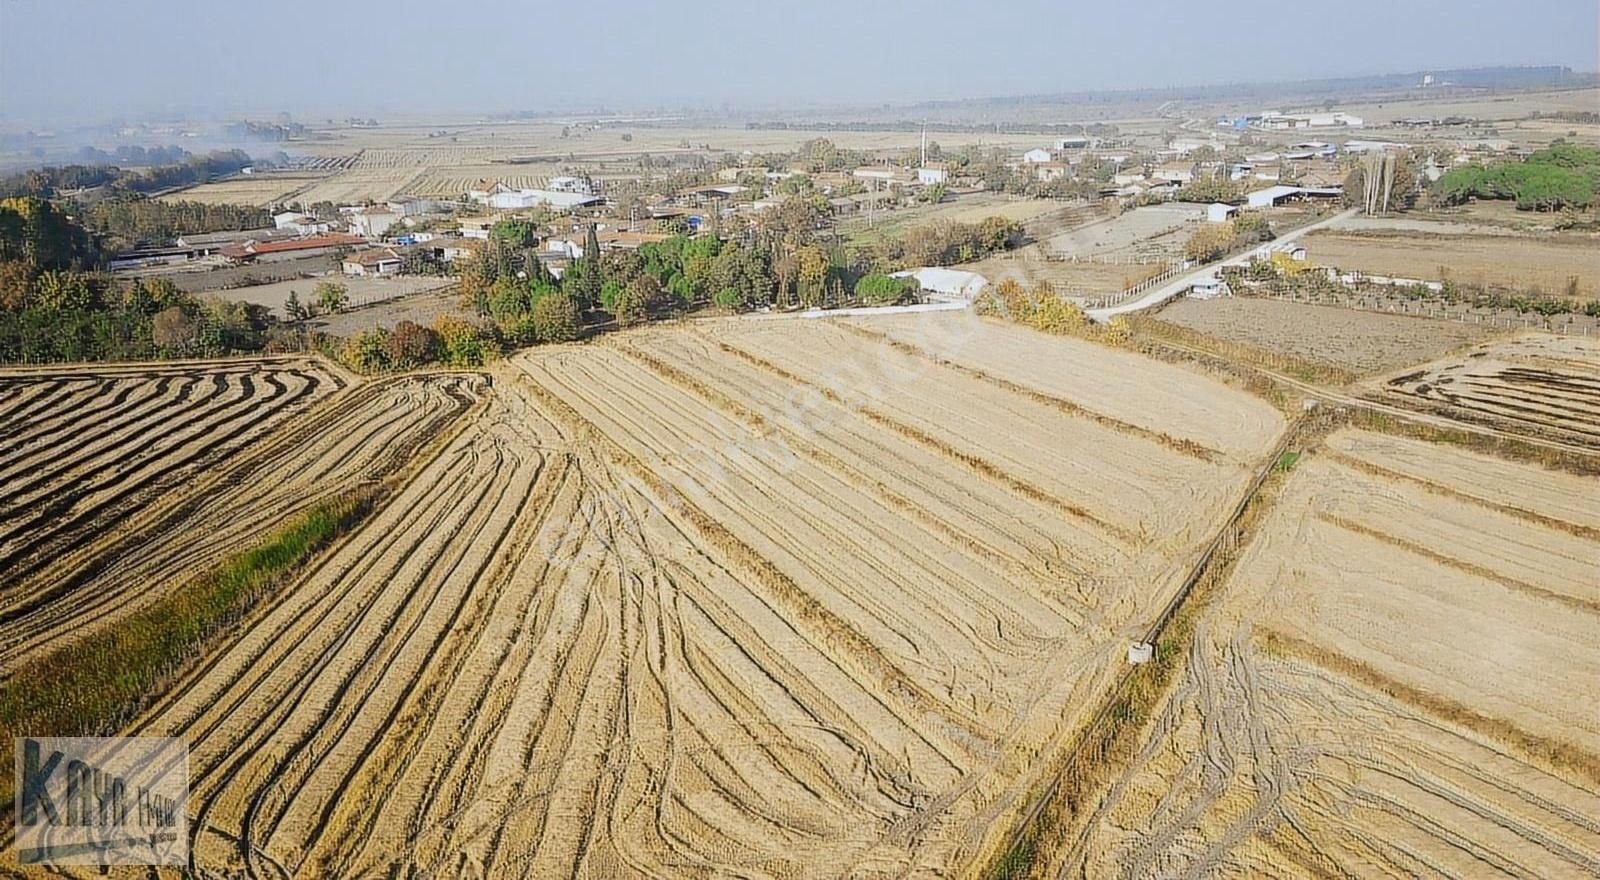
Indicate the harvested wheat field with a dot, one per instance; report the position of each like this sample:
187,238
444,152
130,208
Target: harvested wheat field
450,181
1536,382
255,189
81,448
360,184
358,435
1399,679
753,598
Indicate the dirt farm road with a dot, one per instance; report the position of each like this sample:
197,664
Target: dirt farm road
1184,282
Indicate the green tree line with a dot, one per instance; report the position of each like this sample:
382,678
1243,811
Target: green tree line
1560,176
54,181
136,219
55,306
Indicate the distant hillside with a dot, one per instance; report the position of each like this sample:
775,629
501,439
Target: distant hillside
1473,77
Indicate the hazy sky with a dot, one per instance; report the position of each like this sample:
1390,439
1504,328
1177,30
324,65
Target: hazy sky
103,58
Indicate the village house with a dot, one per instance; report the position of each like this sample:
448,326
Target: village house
373,263
883,175
1274,195
1274,121
531,198
483,188
477,227
947,285
1173,172
416,207
569,184
206,243
703,195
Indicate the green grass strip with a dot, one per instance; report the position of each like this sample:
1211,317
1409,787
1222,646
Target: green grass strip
93,686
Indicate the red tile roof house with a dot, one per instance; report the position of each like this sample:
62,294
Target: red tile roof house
269,251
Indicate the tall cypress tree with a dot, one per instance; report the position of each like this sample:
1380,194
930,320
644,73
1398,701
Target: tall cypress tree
591,280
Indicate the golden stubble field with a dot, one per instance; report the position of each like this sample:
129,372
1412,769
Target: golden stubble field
254,189
1398,680
766,598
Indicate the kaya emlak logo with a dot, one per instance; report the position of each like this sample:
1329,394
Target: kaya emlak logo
84,800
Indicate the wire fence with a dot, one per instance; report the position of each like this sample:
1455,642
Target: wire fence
1167,274
1566,324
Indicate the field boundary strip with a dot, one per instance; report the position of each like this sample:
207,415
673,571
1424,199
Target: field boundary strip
1580,530
1475,570
1134,692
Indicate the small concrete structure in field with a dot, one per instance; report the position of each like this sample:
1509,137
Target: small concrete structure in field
1209,288
1140,653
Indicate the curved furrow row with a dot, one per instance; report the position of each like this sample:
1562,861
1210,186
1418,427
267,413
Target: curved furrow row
370,433
268,675
163,427
363,745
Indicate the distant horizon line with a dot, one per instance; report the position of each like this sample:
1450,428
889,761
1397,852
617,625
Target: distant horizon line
732,107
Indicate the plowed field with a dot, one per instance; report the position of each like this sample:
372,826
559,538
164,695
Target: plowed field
1538,383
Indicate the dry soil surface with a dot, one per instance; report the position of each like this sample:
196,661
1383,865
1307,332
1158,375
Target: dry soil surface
1518,263
1356,340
